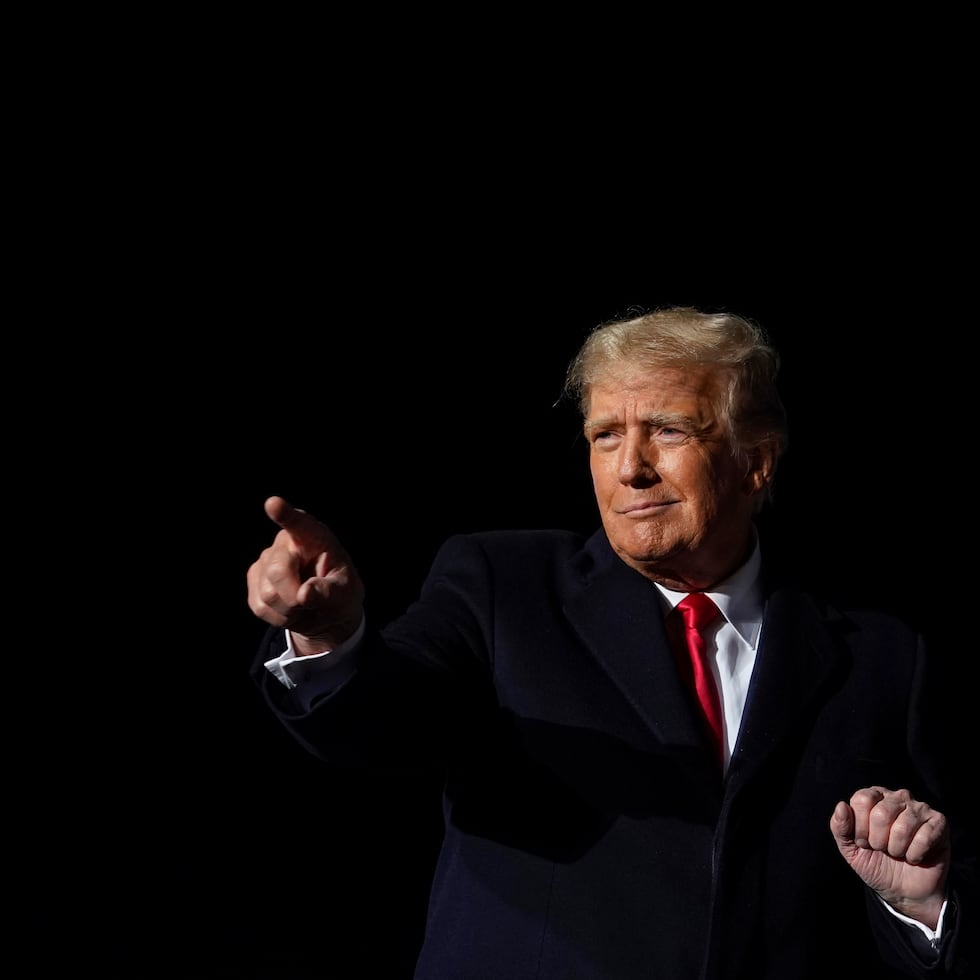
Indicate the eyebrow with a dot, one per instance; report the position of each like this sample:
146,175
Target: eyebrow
656,420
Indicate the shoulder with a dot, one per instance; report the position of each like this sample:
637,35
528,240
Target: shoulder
887,643
533,546
526,563
838,614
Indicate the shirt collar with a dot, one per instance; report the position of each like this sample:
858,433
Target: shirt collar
739,597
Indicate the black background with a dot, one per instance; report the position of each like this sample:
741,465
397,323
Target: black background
384,348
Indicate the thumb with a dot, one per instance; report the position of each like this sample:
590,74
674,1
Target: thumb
842,826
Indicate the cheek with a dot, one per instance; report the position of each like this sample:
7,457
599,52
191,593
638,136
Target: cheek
600,472
688,473
606,484
707,471
702,487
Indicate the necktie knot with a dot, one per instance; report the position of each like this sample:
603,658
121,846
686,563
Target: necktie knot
698,610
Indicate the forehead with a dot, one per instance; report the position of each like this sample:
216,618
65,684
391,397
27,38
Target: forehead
692,391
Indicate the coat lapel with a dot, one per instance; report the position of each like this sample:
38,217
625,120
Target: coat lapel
797,654
618,614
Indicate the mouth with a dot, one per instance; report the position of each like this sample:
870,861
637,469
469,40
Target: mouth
646,508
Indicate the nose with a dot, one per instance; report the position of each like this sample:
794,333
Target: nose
637,462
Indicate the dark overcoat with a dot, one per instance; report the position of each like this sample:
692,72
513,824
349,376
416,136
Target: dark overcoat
588,832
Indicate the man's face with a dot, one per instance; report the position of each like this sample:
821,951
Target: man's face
674,500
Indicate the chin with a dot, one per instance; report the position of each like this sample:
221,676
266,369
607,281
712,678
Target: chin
642,552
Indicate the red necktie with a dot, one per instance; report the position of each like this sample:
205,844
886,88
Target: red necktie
698,611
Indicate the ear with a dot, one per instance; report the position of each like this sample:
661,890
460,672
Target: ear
761,469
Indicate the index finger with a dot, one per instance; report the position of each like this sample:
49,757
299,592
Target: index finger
307,535
283,512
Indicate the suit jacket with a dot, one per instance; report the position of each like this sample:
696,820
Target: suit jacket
588,832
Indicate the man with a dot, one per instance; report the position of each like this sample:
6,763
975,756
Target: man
596,826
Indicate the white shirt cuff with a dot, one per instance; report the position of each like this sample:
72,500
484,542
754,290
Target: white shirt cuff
292,670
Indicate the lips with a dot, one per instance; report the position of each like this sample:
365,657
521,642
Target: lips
645,508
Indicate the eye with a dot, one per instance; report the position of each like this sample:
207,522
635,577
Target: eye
603,437
669,434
